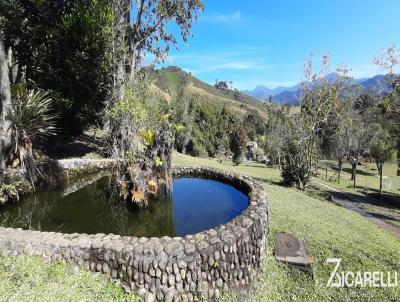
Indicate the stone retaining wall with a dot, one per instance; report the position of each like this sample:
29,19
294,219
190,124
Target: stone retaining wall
166,269
71,170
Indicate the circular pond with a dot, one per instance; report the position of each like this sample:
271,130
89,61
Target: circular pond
194,205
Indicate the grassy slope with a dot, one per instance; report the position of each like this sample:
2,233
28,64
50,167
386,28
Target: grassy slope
367,187
167,80
328,230
367,177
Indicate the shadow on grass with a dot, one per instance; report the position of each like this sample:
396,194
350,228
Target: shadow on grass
387,199
77,147
384,217
334,167
270,181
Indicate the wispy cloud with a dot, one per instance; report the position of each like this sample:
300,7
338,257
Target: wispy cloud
223,18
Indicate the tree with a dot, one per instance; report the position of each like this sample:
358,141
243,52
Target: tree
336,136
238,142
360,133
5,98
221,84
184,115
276,129
390,102
381,150
150,33
254,124
341,147
303,139
143,28
238,97
63,46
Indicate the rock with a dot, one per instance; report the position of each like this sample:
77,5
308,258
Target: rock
162,265
189,248
150,297
173,248
202,246
141,292
182,264
292,251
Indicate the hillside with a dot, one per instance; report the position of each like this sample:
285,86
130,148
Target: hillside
167,81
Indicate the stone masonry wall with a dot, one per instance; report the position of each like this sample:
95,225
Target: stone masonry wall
165,269
73,170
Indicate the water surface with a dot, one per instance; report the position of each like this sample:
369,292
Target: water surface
194,205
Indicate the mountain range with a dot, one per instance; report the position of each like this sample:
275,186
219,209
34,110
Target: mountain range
289,95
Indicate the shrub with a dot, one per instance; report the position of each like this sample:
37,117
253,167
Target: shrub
9,191
31,118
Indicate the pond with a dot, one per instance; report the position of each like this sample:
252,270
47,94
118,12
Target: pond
194,205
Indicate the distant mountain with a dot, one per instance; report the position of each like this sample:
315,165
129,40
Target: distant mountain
289,95
263,93
260,92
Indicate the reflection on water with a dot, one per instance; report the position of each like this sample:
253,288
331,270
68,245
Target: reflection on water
193,206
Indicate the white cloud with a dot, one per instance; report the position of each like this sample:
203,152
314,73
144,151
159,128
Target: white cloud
222,17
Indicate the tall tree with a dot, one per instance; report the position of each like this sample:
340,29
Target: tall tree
381,150
5,102
317,101
238,142
389,104
63,46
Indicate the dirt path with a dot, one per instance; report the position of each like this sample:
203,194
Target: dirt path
346,201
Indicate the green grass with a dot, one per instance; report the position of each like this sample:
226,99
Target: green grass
329,231
367,186
32,279
367,180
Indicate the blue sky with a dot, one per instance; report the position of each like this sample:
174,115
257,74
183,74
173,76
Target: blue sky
265,42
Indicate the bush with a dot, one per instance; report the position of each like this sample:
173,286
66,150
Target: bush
31,118
295,170
9,191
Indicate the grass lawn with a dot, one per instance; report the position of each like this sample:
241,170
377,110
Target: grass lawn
367,177
329,231
30,279
367,186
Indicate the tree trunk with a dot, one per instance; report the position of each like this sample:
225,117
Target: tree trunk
339,169
5,103
279,160
354,174
380,170
326,171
